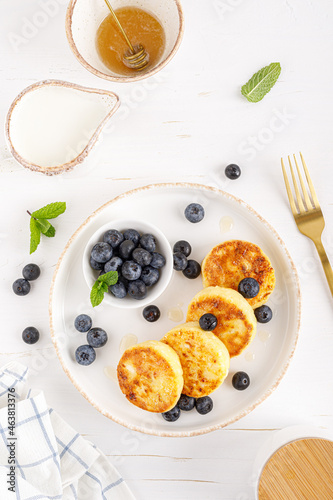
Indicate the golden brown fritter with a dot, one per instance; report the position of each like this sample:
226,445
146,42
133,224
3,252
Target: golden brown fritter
230,262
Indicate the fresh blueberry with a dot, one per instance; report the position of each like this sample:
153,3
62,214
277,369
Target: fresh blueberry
83,323
21,287
186,403
131,270
158,261
193,270
182,246
137,289
241,381
132,235
208,322
118,290
30,335
151,313
102,252
115,251
150,276
204,405
148,242
85,355
194,213
179,261
113,264
172,415
113,238
31,272
232,171
96,337
123,280
263,314
126,248
97,266
249,288
142,257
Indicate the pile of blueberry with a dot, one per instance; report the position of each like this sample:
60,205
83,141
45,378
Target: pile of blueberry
22,285
190,268
203,406
96,337
249,288
135,259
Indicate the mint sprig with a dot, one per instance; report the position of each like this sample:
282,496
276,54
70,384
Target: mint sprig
50,232
43,225
40,225
50,211
261,82
34,235
101,286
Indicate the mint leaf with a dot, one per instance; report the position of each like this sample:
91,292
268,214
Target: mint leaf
109,278
261,83
50,233
43,225
101,286
46,228
96,294
50,211
39,223
34,235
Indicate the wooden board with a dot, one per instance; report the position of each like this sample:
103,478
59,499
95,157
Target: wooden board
301,470
184,124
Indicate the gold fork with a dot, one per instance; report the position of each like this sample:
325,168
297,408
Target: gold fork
307,213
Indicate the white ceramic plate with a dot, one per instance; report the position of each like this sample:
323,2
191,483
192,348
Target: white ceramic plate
265,360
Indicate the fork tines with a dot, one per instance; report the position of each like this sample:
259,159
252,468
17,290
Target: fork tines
303,202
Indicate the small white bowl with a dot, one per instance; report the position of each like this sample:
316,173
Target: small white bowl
84,17
163,247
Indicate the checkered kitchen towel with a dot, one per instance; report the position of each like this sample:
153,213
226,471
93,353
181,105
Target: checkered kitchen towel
51,460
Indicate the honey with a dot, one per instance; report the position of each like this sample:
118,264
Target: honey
226,224
175,314
111,373
141,27
127,341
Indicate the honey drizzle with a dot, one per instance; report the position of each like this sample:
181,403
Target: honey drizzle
141,27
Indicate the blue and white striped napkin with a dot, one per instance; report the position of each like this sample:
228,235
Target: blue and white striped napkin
49,459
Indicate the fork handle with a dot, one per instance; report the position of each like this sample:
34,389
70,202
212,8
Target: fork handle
325,263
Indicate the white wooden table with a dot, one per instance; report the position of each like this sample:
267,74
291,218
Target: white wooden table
186,124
